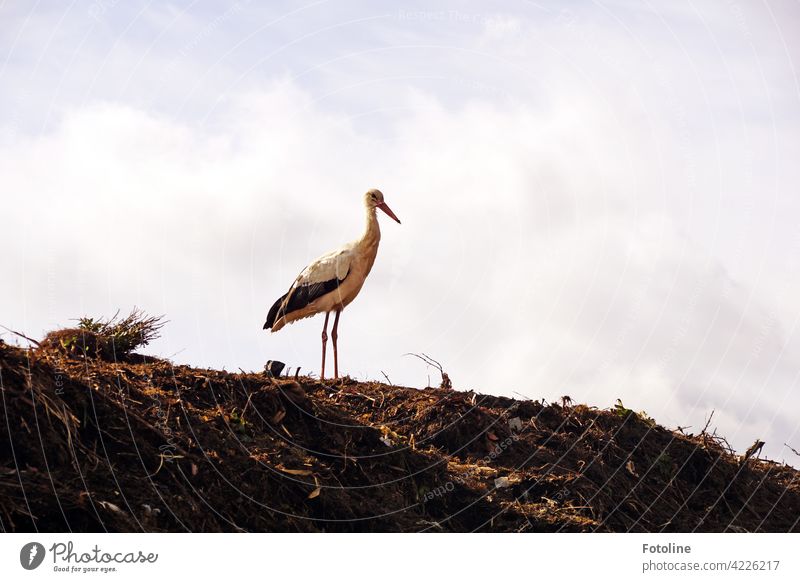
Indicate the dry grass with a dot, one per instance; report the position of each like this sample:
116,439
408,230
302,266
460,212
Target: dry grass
107,339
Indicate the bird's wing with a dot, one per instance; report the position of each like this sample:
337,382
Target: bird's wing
320,277
331,266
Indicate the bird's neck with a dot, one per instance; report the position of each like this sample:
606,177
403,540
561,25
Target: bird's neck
372,232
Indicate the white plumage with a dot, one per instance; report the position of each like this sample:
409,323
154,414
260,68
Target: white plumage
333,265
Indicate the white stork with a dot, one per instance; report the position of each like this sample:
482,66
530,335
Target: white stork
332,281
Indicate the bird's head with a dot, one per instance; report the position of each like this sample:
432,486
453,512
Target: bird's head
374,199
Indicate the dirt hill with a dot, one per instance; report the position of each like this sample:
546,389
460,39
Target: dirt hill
140,444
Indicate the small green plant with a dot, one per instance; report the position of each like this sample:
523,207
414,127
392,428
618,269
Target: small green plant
646,418
68,342
620,409
237,421
623,412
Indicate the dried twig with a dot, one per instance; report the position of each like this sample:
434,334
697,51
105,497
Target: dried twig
705,428
724,443
524,397
22,335
446,383
387,378
791,448
755,449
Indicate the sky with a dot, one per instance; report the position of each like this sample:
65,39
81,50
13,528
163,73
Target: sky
598,199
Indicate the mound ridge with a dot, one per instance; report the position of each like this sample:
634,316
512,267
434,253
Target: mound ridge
145,445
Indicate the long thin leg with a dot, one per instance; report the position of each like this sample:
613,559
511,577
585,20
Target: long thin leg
334,337
324,342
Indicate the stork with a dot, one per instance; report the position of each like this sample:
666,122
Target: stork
331,282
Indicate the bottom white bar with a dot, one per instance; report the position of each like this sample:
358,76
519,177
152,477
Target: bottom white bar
400,557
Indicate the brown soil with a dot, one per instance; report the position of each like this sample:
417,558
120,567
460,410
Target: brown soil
144,445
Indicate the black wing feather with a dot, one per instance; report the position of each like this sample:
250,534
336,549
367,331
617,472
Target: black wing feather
299,297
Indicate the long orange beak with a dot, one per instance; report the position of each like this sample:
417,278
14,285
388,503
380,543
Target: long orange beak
385,207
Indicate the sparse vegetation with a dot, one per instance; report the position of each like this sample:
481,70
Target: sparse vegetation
623,412
107,339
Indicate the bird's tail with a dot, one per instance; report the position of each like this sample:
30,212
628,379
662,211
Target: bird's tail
275,312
